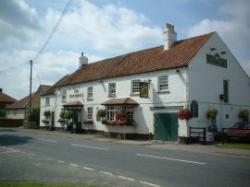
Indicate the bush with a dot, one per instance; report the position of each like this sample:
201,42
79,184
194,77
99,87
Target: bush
244,115
33,115
30,124
2,113
47,114
212,113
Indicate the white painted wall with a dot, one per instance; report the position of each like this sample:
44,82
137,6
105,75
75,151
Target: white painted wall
44,107
143,115
205,84
16,114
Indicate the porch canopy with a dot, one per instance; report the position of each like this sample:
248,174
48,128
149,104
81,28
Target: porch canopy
73,105
121,101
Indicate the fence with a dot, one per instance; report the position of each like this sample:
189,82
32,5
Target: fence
4,122
198,133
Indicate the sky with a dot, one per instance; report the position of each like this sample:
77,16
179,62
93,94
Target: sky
103,29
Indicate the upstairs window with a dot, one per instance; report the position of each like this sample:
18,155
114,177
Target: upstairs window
90,113
47,101
112,90
163,83
225,89
90,93
63,96
135,87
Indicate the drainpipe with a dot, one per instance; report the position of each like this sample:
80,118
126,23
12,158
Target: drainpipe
187,96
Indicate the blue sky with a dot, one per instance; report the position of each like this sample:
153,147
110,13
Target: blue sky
102,29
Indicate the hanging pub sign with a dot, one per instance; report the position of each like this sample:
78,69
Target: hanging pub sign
144,89
194,109
216,60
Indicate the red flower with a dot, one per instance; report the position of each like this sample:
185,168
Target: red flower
184,114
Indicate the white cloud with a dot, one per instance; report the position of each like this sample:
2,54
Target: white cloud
235,30
98,31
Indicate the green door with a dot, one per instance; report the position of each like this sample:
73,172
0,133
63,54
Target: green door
166,126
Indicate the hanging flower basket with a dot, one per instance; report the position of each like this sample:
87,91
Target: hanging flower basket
184,114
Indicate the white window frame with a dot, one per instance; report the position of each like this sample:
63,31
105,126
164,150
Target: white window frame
90,93
64,98
90,113
47,101
111,113
112,91
135,87
162,82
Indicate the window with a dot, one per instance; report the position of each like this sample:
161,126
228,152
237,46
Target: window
90,113
163,83
63,96
90,93
112,89
225,88
110,113
135,86
130,114
47,101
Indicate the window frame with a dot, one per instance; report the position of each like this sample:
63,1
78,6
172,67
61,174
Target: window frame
160,84
90,93
47,101
133,82
90,114
113,93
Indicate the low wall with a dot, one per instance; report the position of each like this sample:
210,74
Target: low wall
5,122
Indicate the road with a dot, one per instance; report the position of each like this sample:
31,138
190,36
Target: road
60,159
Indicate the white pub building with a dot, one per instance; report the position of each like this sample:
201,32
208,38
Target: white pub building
141,94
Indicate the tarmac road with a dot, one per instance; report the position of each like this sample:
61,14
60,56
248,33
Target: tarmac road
48,158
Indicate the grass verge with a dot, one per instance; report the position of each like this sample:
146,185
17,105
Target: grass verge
42,185
245,146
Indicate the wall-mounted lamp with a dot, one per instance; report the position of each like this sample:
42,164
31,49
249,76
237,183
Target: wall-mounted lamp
177,70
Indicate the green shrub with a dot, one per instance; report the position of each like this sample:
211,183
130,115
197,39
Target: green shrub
244,115
2,113
33,115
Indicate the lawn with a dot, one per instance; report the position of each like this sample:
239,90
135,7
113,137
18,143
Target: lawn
43,185
234,146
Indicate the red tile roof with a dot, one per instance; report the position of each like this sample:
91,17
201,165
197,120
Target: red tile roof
4,98
154,59
35,98
51,90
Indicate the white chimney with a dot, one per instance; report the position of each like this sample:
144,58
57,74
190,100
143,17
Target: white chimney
169,36
83,60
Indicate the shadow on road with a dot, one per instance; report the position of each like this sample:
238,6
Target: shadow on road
9,140
7,130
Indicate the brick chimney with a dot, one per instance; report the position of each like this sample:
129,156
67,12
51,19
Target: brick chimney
169,36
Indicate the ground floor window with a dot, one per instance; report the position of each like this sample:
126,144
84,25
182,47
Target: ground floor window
110,113
90,113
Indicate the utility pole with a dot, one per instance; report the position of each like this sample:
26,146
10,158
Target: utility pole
31,69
